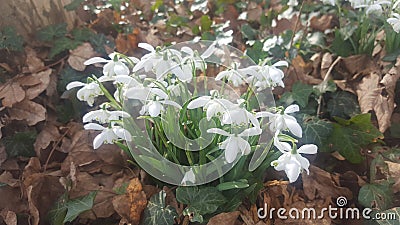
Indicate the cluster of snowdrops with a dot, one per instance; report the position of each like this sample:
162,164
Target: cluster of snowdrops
172,70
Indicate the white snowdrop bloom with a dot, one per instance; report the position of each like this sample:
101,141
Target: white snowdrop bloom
194,58
235,143
189,177
239,116
272,42
395,22
114,65
373,7
104,116
282,121
329,2
126,82
292,3
153,100
161,62
108,134
291,161
236,76
266,76
213,106
358,3
88,92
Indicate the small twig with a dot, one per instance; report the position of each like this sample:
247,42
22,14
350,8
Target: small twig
52,64
54,148
296,25
326,78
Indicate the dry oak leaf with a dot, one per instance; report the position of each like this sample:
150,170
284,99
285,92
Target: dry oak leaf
322,23
36,83
379,95
224,218
321,184
11,93
49,134
394,171
9,217
3,153
28,110
79,55
137,199
34,212
32,61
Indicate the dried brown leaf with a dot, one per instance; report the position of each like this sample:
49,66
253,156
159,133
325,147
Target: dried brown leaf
10,217
7,178
394,172
3,154
28,110
79,55
224,218
322,23
138,200
34,212
323,185
36,83
49,134
32,61
11,93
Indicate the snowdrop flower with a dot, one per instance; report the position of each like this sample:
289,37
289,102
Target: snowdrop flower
395,22
235,143
272,42
108,134
88,92
374,7
125,83
291,161
238,115
292,3
153,100
282,121
266,76
104,116
213,106
234,75
197,60
329,2
189,177
161,62
113,66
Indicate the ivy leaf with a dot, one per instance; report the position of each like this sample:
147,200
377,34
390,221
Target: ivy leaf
376,195
206,23
66,210
157,213
349,136
20,144
324,86
84,34
73,5
52,32
78,206
200,201
248,32
395,220
315,130
63,44
300,94
10,40
343,104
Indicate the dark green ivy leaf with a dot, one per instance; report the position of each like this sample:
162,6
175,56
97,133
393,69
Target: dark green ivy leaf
157,213
376,195
78,206
52,32
10,40
299,94
350,136
343,104
315,130
20,144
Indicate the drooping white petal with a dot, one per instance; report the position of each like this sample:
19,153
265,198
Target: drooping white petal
95,60
291,109
99,140
120,69
294,127
304,163
155,108
198,102
146,46
231,150
251,132
93,126
122,133
218,131
308,149
210,50
292,171
74,84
